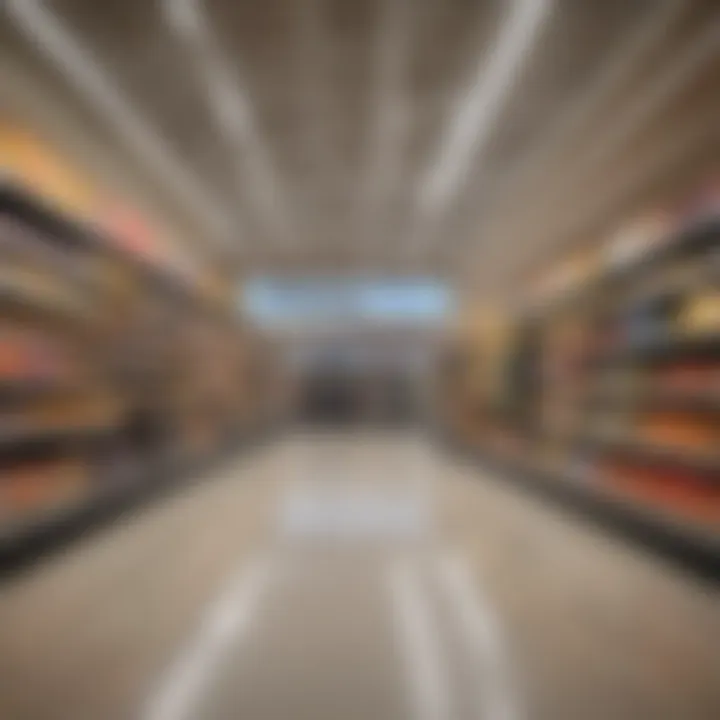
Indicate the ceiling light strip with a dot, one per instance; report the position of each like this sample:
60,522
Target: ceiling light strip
233,112
663,89
642,39
663,160
500,259
481,104
387,140
42,27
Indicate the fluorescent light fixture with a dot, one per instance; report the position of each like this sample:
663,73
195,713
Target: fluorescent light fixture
232,110
481,105
387,140
315,63
184,17
702,50
699,52
637,44
83,71
661,161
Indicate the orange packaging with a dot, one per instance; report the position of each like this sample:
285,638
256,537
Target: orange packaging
679,430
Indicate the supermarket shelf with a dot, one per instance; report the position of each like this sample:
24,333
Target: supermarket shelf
24,542
661,399
73,233
698,235
706,464
647,513
12,531
695,548
696,536
18,297
26,539
665,349
13,440
30,388
30,208
666,290
67,299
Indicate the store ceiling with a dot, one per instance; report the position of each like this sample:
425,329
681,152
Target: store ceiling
479,138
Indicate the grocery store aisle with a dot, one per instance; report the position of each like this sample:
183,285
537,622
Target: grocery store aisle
356,575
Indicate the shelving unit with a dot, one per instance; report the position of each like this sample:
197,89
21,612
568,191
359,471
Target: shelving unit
617,380
104,380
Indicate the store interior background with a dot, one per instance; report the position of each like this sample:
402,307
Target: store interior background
361,239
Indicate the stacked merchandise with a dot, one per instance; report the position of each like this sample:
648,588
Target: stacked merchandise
111,367
624,375
213,396
267,392
463,387
57,404
450,390
652,431
488,382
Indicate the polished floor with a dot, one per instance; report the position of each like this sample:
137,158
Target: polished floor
356,575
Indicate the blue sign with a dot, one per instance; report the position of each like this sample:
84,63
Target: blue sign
273,301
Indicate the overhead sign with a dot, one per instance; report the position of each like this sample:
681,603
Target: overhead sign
320,301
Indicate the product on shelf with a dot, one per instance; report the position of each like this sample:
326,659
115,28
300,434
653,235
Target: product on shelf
637,239
104,352
690,376
701,313
679,430
627,371
31,489
671,490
